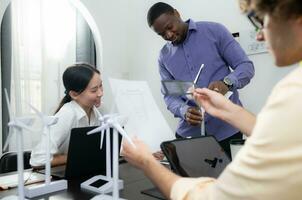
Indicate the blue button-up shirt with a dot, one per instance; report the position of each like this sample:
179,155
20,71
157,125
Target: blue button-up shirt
210,44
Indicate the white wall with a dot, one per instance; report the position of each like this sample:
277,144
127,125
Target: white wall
112,20
131,48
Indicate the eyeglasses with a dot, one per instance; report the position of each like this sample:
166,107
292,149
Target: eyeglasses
255,20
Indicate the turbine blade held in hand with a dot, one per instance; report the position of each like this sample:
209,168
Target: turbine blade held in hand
123,133
37,112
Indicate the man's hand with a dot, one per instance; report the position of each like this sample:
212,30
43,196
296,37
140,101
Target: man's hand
219,86
158,155
193,116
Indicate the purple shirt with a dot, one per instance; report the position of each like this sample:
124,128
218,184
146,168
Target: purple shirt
210,44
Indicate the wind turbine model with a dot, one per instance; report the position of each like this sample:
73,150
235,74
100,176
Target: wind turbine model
189,96
111,121
201,108
107,186
47,187
17,124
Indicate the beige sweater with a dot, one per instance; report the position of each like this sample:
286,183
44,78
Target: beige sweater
269,166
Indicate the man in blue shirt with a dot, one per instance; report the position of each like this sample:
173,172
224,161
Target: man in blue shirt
191,44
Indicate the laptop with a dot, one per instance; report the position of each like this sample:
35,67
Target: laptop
85,158
194,157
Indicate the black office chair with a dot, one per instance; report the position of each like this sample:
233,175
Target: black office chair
8,161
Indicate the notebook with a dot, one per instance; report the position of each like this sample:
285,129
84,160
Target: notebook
11,180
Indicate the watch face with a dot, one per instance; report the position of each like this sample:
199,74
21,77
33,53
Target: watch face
227,81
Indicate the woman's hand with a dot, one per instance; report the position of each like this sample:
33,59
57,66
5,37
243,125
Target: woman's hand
139,156
213,102
218,106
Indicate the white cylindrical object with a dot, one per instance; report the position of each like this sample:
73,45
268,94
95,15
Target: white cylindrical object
20,164
123,133
108,153
115,165
202,125
47,174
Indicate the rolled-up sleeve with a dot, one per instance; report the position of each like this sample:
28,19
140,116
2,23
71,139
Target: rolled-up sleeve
268,166
234,55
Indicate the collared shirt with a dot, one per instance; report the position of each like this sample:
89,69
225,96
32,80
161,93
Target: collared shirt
269,165
210,44
70,116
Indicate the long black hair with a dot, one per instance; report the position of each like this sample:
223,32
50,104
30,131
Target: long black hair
76,78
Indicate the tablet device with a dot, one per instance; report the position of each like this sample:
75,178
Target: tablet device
177,88
196,157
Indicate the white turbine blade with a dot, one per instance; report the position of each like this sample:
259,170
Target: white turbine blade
10,115
36,111
198,74
228,94
109,116
101,118
10,134
122,120
51,120
23,126
123,133
28,121
113,104
98,129
102,138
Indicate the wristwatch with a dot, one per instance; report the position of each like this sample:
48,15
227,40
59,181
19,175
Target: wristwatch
228,82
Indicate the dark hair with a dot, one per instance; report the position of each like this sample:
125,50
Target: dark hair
244,5
156,10
76,78
282,9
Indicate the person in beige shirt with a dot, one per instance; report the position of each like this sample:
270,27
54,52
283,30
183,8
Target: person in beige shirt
269,166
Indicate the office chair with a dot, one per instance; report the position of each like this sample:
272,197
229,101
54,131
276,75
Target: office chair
8,161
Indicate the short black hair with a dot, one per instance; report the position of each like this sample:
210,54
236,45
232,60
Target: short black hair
156,10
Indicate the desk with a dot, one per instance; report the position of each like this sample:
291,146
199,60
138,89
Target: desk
134,182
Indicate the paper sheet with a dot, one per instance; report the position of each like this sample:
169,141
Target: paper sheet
11,181
135,101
